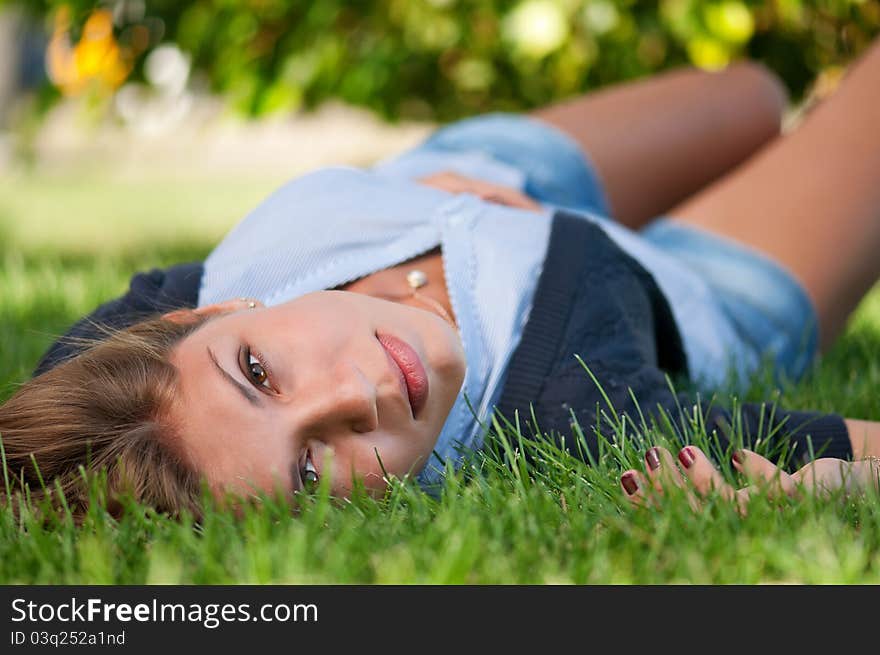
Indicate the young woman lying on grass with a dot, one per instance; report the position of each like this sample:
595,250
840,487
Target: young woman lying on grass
361,324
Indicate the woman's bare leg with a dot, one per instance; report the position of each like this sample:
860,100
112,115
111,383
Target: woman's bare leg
811,199
657,141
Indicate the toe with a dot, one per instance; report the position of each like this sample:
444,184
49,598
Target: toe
702,473
662,470
761,471
635,486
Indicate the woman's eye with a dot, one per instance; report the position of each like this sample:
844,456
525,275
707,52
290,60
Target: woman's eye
309,473
257,372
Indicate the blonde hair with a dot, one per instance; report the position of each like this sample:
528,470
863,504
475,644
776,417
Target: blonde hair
104,410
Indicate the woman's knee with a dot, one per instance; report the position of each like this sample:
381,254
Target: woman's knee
763,87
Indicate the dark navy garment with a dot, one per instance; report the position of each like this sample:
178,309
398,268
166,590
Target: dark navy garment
592,300
595,301
154,292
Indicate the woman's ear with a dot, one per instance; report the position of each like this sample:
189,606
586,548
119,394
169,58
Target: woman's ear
188,315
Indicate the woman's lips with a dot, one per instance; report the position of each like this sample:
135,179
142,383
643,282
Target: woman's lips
411,366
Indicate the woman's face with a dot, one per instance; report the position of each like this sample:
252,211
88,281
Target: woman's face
269,395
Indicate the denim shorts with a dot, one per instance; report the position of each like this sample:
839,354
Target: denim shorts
767,307
768,314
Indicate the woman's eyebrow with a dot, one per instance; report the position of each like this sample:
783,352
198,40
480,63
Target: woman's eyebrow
249,394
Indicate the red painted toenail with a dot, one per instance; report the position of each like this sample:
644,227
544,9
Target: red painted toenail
630,484
652,457
737,457
686,457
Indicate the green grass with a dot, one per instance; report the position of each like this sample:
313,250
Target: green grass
67,244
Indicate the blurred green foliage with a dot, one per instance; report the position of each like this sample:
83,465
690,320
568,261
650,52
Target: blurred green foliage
442,59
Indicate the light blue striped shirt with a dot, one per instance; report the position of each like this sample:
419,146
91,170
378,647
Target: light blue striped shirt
335,225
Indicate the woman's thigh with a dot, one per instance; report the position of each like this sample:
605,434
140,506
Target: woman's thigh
811,200
657,141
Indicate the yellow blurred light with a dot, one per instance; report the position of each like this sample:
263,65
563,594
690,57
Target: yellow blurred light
731,21
536,27
601,16
95,61
473,74
708,53
791,12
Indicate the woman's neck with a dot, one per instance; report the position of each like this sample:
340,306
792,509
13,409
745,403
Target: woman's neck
391,284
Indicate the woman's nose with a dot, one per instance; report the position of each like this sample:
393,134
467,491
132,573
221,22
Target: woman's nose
340,400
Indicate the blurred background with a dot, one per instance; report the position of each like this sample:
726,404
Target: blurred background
102,92
136,132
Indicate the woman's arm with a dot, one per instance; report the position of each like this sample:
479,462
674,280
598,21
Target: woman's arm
864,437
502,195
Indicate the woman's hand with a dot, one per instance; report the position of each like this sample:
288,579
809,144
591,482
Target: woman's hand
502,195
695,473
